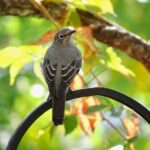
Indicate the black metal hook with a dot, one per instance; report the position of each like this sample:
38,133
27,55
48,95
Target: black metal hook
37,112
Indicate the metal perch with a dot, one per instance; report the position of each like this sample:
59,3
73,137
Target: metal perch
37,112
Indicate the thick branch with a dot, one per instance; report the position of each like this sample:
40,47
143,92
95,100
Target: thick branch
103,30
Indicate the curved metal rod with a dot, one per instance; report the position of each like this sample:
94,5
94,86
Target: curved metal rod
37,112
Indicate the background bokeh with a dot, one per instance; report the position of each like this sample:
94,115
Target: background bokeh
22,40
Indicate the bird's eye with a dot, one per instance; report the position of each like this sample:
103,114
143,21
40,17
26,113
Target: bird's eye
60,36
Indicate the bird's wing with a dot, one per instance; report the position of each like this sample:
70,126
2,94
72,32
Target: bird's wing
69,71
49,71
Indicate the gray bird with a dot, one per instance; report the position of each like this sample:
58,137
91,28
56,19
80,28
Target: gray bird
62,63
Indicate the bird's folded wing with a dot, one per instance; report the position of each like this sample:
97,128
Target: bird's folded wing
49,71
69,71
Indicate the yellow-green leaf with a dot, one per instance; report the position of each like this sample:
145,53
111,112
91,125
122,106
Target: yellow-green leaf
11,54
74,17
8,56
115,63
16,67
106,6
103,6
17,57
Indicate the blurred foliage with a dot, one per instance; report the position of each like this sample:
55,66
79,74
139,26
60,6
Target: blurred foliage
90,123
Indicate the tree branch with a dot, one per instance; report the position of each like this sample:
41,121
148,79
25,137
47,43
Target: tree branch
103,30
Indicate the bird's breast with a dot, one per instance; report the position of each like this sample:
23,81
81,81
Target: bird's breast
62,55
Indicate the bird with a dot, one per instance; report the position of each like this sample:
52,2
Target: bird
62,62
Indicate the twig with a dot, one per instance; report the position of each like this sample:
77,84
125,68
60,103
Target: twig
113,126
104,118
96,78
39,6
131,145
84,83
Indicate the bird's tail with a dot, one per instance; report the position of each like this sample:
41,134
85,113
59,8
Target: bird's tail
58,109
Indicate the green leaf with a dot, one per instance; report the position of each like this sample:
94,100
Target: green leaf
78,4
96,108
102,6
129,141
106,6
115,63
17,57
70,123
74,17
93,8
9,55
133,139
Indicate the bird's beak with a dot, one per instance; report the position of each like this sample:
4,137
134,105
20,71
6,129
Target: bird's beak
71,32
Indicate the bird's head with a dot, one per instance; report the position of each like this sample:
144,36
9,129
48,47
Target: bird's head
63,37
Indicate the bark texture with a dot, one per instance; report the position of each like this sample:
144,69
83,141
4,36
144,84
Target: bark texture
103,30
